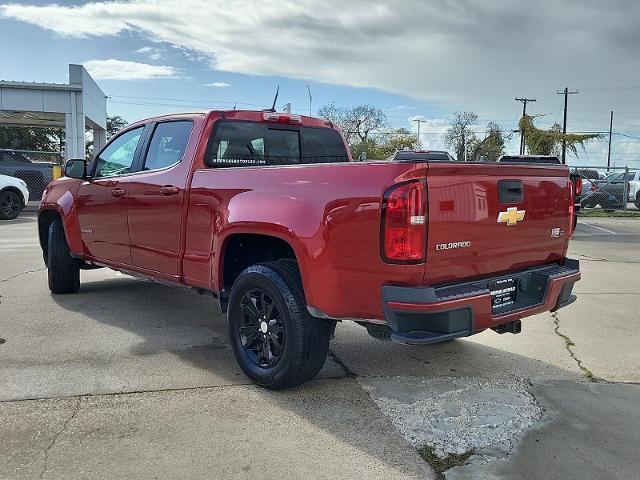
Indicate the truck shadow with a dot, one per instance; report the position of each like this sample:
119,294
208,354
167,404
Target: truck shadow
190,327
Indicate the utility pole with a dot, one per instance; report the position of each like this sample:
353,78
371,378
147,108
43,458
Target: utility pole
524,112
610,131
419,122
566,94
309,90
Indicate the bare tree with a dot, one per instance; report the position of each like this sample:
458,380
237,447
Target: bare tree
357,123
459,135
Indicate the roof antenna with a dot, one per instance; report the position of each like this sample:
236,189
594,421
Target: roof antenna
273,107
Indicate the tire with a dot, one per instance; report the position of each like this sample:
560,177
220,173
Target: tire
10,205
637,200
267,302
63,270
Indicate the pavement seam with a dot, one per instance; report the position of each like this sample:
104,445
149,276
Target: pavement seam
57,435
22,273
568,343
347,371
160,390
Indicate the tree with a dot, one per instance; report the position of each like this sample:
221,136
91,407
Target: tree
399,139
549,142
49,139
114,125
46,139
459,135
383,146
492,146
357,123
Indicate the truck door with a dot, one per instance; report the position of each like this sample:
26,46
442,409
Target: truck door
156,198
101,204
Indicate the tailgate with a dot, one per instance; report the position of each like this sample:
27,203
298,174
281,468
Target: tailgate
489,219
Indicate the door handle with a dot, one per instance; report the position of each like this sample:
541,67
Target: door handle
117,192
169,190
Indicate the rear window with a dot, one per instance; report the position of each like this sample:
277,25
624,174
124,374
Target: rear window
238,143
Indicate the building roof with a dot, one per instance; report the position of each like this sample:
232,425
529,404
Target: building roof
40,86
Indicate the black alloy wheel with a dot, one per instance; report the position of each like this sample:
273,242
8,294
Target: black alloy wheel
274,339
261,328
10,205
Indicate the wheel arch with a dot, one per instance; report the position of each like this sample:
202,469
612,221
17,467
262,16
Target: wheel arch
45,219
242,248
13,189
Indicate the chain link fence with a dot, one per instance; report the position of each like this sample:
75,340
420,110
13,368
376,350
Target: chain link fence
35,168
609,189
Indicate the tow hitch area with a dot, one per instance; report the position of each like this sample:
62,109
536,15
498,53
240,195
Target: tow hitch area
511,327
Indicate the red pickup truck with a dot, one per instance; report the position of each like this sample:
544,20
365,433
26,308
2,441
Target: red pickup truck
268,212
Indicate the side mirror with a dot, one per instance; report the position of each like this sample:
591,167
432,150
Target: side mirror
75,168
363,157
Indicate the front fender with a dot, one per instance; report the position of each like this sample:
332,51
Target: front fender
59,197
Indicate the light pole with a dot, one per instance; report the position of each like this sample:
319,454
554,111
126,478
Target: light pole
310,98
419,121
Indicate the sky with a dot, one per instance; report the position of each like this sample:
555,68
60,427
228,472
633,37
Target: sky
414,59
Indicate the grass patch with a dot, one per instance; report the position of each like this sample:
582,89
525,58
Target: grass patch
602,213
442,464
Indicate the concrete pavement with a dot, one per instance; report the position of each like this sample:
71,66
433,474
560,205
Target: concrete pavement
195,414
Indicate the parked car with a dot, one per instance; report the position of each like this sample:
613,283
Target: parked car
614,191
14,195
36,174
426,155
267,212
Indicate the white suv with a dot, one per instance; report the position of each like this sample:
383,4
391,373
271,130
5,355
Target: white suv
634,187
13,197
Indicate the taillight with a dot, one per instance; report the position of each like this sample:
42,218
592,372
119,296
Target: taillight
404,223
572,210
578,186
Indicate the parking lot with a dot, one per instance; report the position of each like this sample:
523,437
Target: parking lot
132,379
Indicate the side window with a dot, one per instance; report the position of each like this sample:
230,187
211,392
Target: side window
237,144
322,145
117,158
283,147
168,144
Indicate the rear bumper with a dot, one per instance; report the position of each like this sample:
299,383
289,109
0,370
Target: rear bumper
422,315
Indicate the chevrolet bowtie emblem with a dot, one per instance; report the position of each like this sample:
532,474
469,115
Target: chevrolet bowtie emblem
512,216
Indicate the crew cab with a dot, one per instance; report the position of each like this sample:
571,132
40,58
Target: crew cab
268,213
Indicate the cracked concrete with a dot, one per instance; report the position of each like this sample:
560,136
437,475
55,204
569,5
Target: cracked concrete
453,415
568,344
56,436
16,275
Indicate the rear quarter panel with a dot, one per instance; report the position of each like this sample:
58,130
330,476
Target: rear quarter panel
328,213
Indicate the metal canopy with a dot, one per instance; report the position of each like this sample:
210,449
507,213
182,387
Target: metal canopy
76,106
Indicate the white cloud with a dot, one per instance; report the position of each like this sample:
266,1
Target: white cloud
152,53
125,70
465,54
431,131
217,84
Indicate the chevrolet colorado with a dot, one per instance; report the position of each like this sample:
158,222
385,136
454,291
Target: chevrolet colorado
268,212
